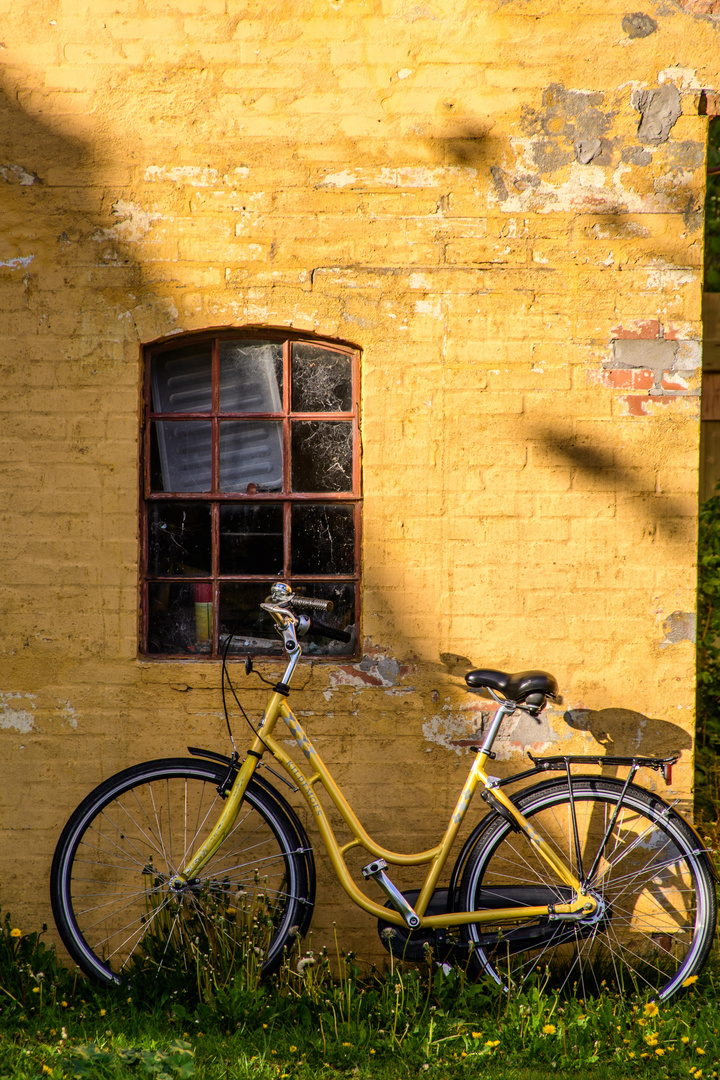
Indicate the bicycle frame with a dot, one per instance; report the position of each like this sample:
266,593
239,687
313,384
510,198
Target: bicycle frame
278,709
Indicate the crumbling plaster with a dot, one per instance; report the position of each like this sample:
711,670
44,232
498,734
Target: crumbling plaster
501,205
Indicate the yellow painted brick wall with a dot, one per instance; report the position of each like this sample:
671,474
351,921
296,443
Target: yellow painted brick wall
403,175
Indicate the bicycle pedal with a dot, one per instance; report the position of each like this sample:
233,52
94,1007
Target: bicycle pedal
373,868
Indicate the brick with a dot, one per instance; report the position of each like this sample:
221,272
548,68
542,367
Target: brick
333,176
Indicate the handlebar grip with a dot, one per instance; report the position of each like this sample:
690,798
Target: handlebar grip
330,632
309,603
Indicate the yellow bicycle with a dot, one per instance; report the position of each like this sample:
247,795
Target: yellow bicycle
583,877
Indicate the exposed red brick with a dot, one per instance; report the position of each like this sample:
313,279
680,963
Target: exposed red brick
709,103
638,328
672,381
636,405
623,378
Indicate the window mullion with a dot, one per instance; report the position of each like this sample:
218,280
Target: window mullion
287,472
287,537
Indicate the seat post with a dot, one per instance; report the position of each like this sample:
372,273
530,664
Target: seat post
507,708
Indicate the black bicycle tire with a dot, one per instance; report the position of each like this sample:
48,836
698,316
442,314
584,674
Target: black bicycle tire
554,793
292,849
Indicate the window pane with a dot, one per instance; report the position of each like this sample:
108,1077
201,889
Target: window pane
321,380
179,618
251,539
251,376
251,456
179,538
321,455
181,455
323,539
342,617
182,380
240,613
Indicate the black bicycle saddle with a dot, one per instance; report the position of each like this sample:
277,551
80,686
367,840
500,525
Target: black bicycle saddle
515,687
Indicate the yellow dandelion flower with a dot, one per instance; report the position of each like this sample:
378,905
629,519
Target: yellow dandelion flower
293,1049
631,1053
103,1012
690,980
492,1043
476,1034
699,1050
16,933
46,1069
36,989
651,1040
371,1050
659,1051
651,1009
463,1054
344,1044
684,1038
549,1029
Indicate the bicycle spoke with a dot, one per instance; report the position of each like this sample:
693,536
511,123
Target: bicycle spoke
647,931
112,872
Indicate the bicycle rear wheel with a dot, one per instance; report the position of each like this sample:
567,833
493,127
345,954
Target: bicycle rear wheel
116,856
657,908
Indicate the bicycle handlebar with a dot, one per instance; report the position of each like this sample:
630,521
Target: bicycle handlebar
309,603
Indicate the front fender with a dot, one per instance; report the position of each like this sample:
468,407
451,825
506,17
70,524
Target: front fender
283,805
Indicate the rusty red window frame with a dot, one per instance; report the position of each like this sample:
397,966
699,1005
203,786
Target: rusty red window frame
215,498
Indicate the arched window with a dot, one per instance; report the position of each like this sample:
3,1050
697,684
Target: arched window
250,474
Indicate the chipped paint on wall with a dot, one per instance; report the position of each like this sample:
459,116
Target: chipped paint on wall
133,222
376,669
456,728
14,718
679,626
17,174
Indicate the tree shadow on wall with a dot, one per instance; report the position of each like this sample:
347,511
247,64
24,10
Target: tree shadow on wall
466,144
60,215
600,466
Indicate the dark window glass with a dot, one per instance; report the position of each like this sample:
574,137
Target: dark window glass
321,380
342,617
251,377
179,618
179,538
251,456
251,539
241,615
184,461
321,456
323,539
182,380
250,475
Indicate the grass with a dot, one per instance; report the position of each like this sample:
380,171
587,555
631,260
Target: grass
306,1022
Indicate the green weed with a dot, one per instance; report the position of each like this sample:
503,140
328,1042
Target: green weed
327,1015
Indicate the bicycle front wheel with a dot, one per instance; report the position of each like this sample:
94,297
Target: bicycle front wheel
656,897
110,880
